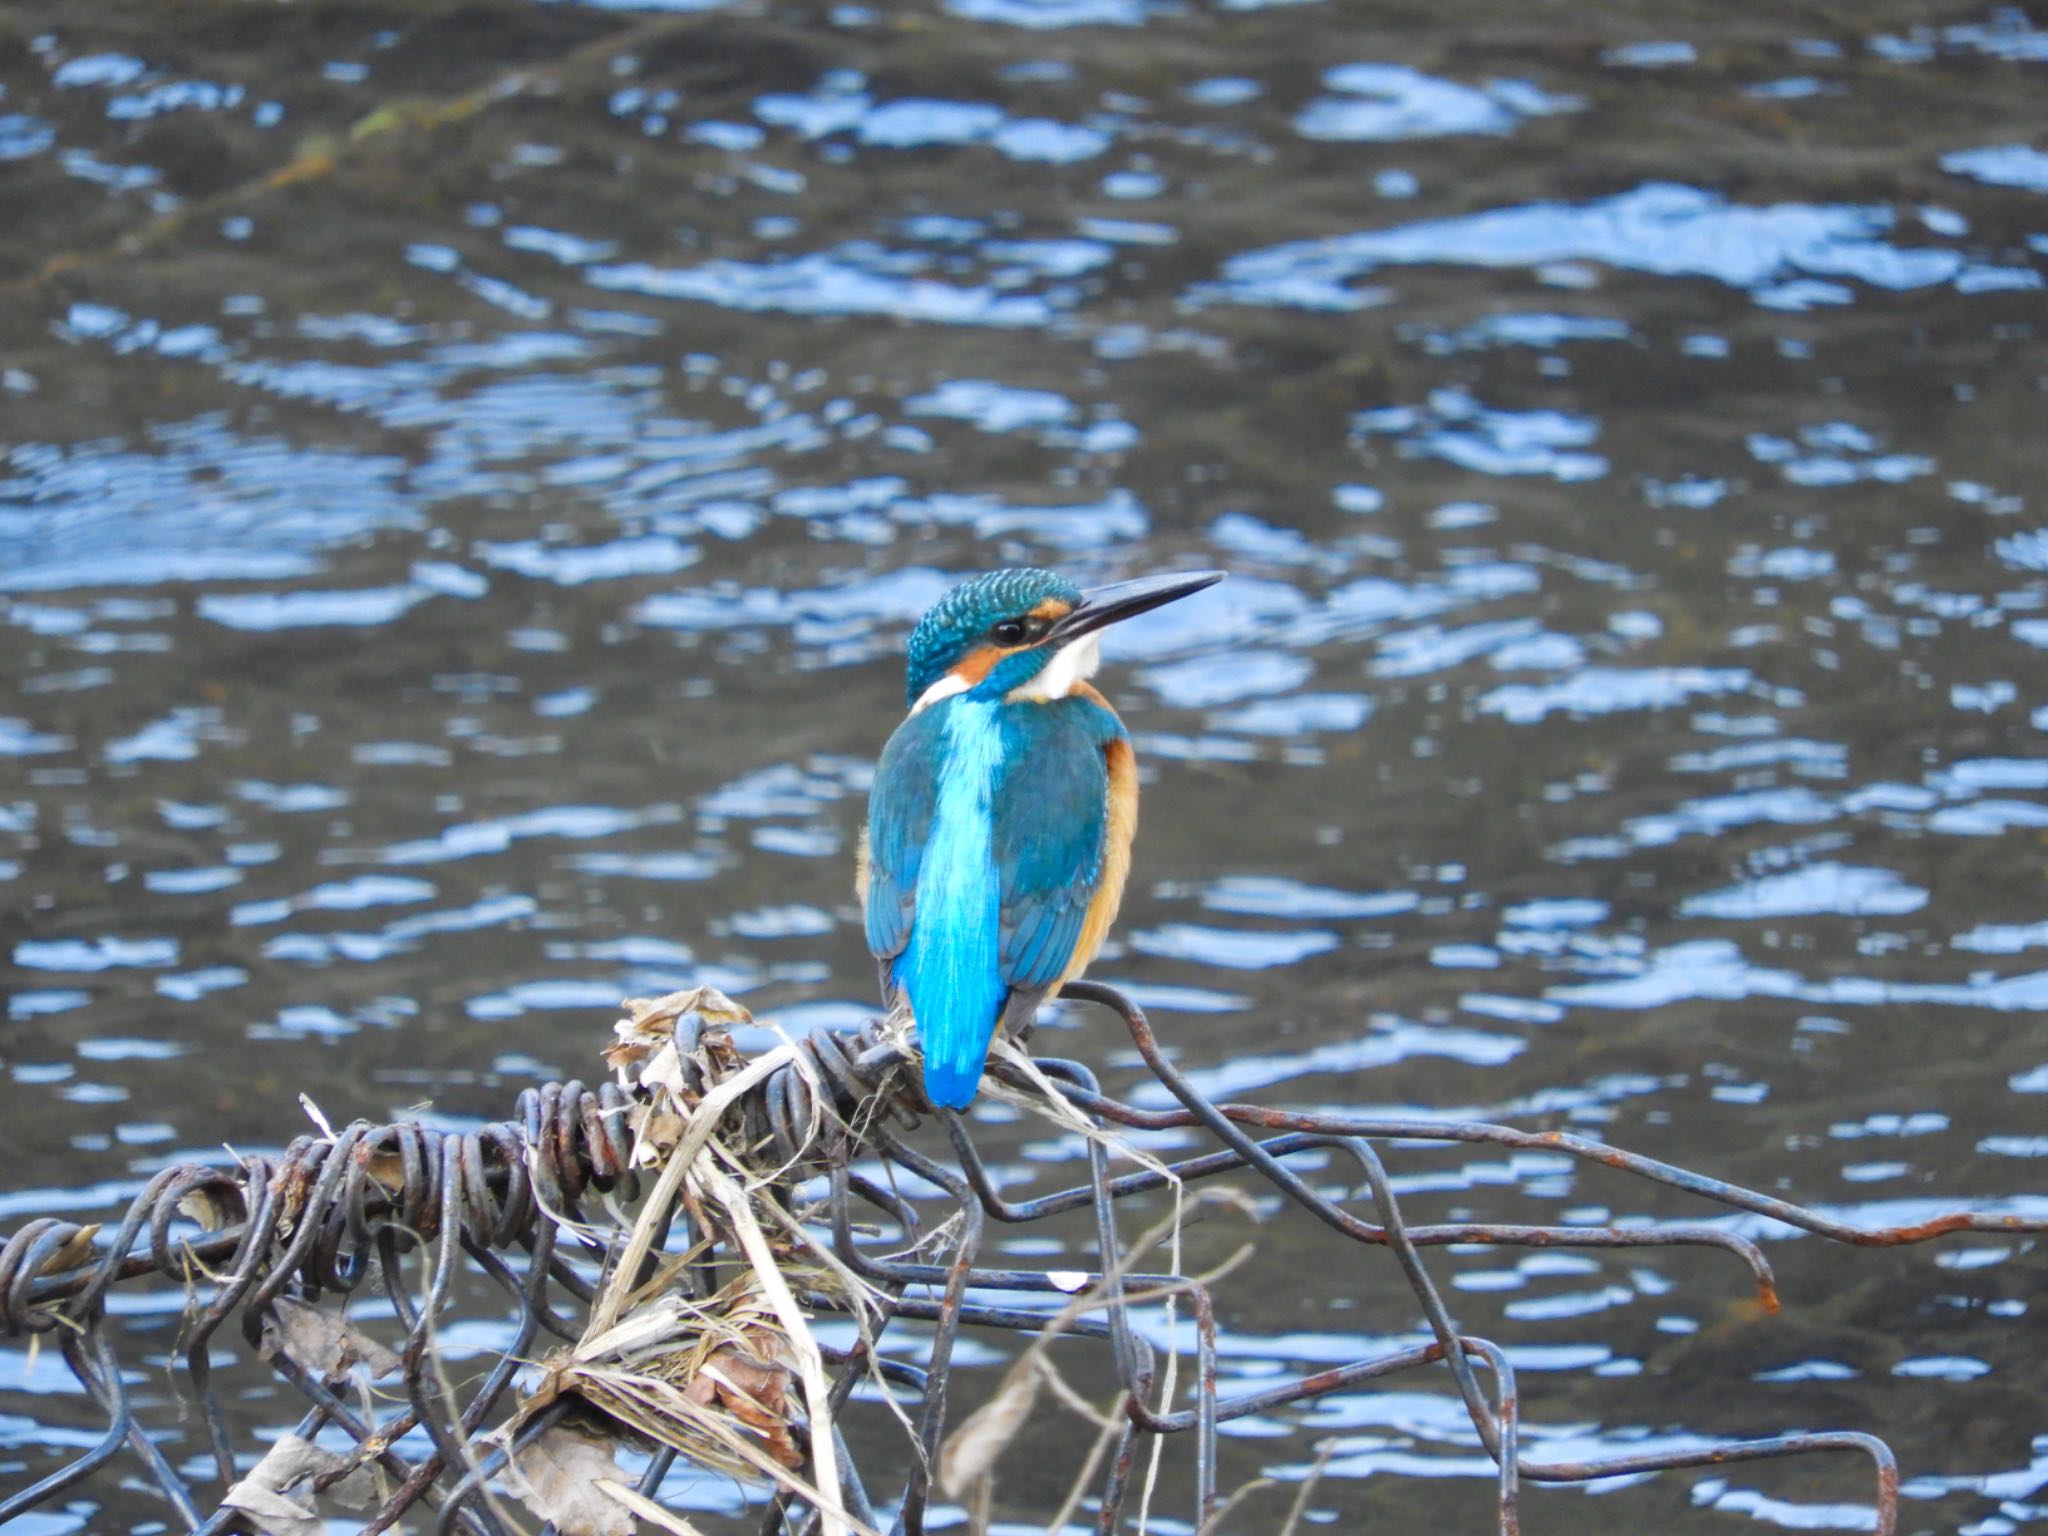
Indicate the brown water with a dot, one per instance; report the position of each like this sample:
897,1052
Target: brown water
470,469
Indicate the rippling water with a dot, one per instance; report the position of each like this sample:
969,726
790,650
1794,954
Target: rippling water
468,474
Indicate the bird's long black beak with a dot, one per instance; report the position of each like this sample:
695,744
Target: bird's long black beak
1103,606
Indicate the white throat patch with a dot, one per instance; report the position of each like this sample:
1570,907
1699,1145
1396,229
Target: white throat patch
1072,664
949,683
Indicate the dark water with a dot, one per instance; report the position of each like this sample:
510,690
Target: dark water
469,470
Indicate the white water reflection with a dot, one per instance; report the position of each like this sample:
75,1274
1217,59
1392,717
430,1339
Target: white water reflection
1391,101
850,281
1840,889
1786,255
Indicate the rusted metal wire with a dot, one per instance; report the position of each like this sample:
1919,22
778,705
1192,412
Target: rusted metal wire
409,1211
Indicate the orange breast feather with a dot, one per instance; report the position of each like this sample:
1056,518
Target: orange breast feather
1121,827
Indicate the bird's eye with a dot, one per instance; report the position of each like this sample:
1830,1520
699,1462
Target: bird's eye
1008,632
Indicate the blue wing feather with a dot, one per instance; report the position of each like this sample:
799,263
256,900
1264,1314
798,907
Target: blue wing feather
1049,835
899,820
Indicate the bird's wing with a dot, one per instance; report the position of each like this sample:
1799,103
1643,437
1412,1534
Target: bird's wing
1049,825
899,820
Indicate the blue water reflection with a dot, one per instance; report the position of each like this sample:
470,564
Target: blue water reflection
199,503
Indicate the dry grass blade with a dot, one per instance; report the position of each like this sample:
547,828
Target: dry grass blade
725,1355
76,1251
1214,1523
1105,1436
1308,1486
709,1377
1050,1103
864,1305
702,1125
1057,1385
653,1513
810,1363
969,1455
664,1413
970,1452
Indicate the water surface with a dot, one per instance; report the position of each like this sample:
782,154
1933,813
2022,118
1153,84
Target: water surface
468,473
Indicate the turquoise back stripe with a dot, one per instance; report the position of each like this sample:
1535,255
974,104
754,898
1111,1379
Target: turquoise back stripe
950,966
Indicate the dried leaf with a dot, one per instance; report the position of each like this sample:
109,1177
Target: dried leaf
321,1342
656,1136
657,1131
211,1208
557,1477
724,1356
971,1450
645,1050
275,1514
656,1016
714,1007
660,1411
358,1490
752,1391
624,1053
385,1165
664,1070
261,1494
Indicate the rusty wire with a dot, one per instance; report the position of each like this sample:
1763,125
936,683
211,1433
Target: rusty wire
335,1211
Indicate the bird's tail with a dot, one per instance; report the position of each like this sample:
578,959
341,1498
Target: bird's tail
952,1060
949,971
951,1079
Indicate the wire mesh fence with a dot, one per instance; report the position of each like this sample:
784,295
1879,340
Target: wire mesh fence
665,1243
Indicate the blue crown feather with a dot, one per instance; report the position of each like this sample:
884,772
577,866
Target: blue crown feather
957,622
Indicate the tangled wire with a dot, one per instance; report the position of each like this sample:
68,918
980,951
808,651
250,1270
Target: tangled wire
682,1331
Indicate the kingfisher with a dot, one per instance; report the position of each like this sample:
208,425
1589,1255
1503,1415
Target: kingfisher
1000,823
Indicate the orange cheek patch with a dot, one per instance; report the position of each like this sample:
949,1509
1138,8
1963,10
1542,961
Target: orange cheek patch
977,664
1052,608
